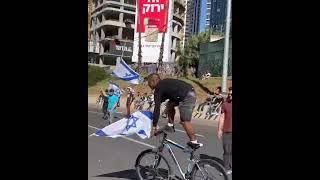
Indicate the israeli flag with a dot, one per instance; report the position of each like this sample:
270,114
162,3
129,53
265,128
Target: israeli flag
118,91
124,72
139,123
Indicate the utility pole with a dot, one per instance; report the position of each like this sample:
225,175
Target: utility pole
226,49
139,29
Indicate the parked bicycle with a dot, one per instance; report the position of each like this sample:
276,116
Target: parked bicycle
157,166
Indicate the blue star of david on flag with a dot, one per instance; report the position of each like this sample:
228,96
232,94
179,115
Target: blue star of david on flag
124,72
133,120
127,75
138,123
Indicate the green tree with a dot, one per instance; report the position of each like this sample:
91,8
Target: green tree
189,56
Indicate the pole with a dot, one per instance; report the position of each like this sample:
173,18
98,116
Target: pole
160,60
226,49
139,29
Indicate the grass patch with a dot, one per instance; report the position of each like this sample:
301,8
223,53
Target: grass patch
200,86
96,74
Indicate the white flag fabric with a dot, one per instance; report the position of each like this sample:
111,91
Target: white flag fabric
118,91
124,72
139,123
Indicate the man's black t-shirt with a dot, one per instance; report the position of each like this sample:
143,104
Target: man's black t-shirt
172,89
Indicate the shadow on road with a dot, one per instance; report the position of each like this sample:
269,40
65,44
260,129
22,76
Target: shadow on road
129,174
204,156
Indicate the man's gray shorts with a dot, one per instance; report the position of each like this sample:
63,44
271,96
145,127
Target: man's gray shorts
186,106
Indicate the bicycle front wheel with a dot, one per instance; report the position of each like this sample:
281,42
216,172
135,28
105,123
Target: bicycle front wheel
207,169
152,165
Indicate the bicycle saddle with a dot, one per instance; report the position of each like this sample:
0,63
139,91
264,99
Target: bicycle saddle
194,146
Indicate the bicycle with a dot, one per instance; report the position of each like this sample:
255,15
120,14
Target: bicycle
214,111
156,171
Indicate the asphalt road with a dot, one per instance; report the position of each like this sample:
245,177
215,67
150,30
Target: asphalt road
114,158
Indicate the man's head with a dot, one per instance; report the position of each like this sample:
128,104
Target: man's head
153,80
218,90
229,98
111,92
130,90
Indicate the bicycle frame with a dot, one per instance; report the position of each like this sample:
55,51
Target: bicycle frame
166,144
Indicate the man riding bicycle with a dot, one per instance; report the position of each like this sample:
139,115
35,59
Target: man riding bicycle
179,94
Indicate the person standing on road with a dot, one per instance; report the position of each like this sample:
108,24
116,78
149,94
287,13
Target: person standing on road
130,99
225,131
112,105
105,97
179,94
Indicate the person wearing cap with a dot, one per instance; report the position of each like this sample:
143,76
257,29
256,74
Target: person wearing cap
112,105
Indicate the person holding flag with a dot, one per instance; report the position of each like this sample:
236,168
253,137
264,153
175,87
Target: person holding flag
111,106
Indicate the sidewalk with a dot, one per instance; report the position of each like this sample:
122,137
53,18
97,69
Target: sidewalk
200,121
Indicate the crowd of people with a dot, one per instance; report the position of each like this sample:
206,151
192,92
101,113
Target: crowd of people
179,94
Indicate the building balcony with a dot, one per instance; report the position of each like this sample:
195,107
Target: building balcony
127,3
179,18
112,22
115,9
180,3
93,47
111,38
177,35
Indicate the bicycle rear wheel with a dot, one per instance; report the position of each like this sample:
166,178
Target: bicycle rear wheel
152,165
207,169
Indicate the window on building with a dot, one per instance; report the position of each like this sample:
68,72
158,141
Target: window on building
218,10
208,5
208,16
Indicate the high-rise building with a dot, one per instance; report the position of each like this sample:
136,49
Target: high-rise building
112,30
216,15
193,11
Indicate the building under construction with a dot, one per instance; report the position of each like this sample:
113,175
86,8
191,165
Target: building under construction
111,30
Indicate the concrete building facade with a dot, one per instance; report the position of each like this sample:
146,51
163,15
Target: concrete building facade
112,30
178,24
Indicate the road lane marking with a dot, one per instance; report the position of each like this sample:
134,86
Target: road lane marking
93,127
182,131
185,132
129,139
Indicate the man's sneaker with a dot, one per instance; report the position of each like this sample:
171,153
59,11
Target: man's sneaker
228,172
194,145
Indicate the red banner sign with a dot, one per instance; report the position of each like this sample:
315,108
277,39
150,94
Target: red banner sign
153,15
